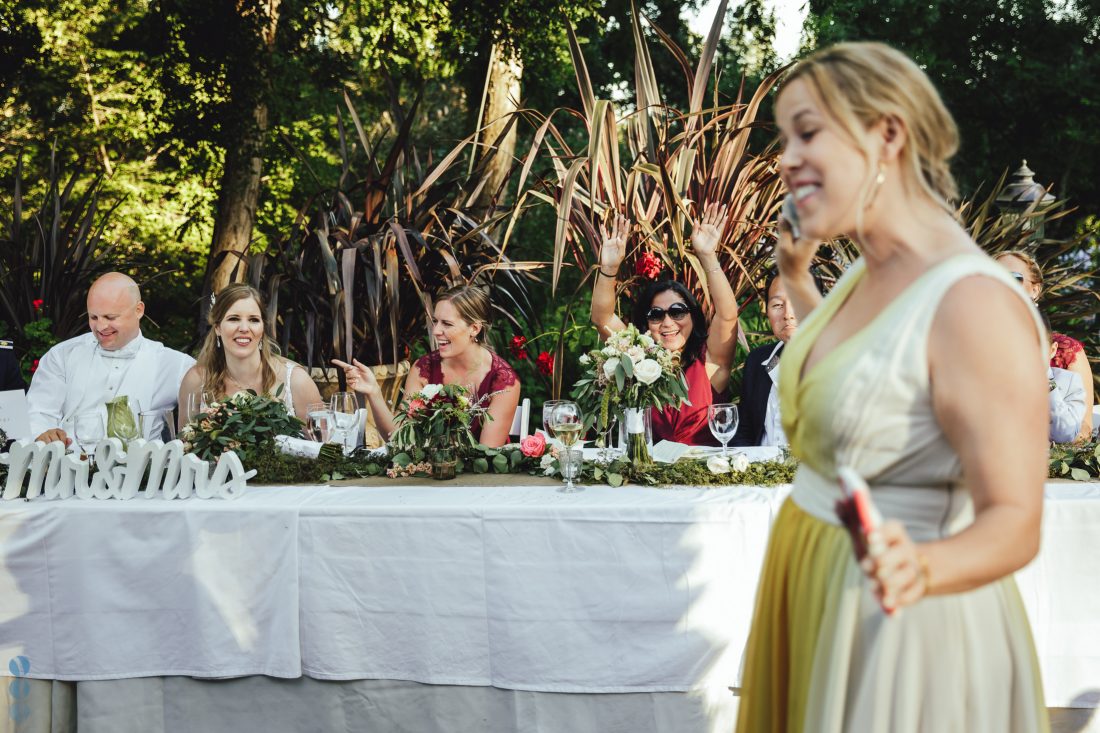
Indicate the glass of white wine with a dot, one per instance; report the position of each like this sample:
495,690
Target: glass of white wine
547,409
567,423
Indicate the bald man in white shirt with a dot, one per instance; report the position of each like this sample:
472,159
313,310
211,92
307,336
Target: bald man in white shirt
80,375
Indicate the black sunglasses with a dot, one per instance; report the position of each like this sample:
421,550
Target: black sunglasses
676,311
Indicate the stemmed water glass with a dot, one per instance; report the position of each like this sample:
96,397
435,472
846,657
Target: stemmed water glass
88,430
344,409
158,425
722,417
567,424
547,408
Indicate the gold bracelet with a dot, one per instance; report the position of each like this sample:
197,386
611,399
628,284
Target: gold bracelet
923,572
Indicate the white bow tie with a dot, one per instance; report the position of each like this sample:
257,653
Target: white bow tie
129,351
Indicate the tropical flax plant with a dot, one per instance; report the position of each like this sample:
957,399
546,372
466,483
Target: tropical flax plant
357,273
49,257
674,163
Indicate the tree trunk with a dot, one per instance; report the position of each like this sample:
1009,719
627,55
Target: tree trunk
237,201
240,184
499,100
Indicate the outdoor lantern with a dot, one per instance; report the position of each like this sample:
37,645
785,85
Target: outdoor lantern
1023,194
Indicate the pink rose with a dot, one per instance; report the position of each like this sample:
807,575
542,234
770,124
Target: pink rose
416,406
533,446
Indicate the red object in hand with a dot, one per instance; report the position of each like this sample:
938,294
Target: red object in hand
519,347
545,363
648,265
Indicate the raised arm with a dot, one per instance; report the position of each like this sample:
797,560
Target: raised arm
612,253
361,379
1081,367
989,395
722,336
793,259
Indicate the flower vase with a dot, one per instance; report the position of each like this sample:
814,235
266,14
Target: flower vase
636,434
444,462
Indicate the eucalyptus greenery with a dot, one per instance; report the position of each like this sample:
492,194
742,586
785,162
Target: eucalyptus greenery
1077,461
246,423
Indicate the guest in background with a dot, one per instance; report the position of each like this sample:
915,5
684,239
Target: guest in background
81,374
460,326
668,312
758,407
238,355
1067,399
1069,353
10,375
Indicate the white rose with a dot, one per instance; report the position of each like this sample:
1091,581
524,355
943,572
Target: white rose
610,366
739,462
547,464
585,359
429,391
647,371
647,340
718,464
636,353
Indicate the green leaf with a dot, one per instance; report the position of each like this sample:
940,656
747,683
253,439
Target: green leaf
615,479
500,463
515,459
481,465
402,460
1079,474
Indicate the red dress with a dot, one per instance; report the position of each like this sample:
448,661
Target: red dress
1067,350
689,424
501,375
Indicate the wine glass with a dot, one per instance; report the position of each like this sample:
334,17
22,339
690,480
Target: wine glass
318,422
547,408
197,402
566,422
157,425
345,410
722,417
607,451
88,430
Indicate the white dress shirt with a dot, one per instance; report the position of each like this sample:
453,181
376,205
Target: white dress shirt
773,423
77,376
1067,404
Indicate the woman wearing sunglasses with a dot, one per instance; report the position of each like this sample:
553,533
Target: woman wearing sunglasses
670,314
1069,353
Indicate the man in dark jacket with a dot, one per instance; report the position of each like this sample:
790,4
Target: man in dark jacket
758,409
10,376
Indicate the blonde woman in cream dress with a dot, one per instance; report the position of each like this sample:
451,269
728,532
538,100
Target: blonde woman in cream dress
900,374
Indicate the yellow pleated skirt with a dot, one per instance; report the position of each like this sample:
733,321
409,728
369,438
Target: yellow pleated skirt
823,657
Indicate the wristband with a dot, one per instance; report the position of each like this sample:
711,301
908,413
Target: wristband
612,276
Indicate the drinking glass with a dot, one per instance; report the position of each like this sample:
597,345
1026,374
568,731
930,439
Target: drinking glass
318,422
88,429
345,411
567,423
571,461
607,451
196,402
547,408
722,417
157,425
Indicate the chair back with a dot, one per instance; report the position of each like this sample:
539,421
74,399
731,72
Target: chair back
521,423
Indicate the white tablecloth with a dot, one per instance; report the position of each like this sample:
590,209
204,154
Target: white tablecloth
522,588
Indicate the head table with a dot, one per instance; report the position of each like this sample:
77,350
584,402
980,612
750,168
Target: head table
435,607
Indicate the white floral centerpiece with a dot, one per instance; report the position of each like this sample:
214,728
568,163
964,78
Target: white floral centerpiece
631,373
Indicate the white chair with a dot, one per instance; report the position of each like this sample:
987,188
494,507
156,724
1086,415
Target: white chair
522,421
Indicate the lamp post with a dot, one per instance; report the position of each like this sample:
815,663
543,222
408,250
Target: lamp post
1022,196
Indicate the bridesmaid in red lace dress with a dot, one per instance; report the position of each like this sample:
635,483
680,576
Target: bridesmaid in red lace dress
670,314
1070,353
460,326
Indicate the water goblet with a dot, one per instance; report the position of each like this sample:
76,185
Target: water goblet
567,423
722,417
547,408
571,461
344,408
88,430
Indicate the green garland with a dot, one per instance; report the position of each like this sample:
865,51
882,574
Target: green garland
1077,461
